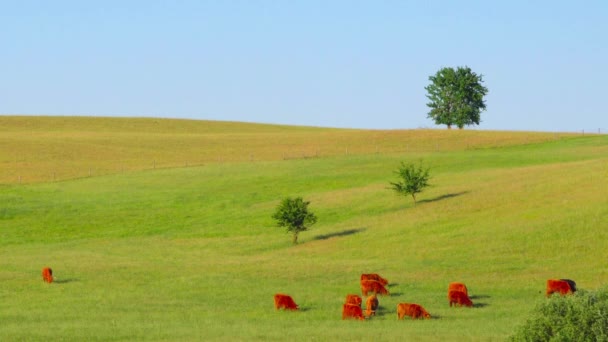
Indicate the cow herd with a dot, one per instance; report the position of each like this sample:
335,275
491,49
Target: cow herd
376,285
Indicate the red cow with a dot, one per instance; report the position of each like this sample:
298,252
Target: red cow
353,299
352,311
47,274
373,286
459,298
371,304
560,286
374,276
283,301
413,310
458,287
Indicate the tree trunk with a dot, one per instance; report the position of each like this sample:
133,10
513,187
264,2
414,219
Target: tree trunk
414,197
449,126
295,238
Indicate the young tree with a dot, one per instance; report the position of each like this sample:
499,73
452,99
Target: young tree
413,179
293,213
456,97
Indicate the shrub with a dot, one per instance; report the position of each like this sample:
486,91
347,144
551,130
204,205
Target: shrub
582,316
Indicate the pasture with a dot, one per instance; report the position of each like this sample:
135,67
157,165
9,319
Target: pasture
190,252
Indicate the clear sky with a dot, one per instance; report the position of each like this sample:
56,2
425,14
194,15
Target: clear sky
355,64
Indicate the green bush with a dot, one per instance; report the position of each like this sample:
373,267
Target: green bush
582,316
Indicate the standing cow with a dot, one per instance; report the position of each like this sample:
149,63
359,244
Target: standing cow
371,305
459,298
455,286
561,286
47,275
374,276
352,311
353,299
373,286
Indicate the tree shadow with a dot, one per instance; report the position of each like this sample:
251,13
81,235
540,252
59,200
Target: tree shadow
442,197
339,234
480,305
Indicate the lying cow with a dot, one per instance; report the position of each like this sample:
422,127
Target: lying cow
371,304
459,298
458,287
560,286
413,310
374,276
47,274
352,311
283,301
353,299
373,286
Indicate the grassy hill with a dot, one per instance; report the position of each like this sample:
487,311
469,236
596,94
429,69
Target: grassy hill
191,253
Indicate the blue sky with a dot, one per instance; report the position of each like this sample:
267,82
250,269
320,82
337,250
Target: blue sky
355,64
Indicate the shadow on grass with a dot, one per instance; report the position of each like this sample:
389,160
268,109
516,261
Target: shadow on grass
479,297
442,197
339,234
64,281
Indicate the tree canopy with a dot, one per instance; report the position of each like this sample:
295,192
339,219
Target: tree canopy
412,180
456,97
293,213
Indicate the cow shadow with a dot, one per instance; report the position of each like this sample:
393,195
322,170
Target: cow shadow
479,305
65,281
442,197
479,297
339,234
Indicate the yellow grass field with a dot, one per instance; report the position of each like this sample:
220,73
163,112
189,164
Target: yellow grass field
42,149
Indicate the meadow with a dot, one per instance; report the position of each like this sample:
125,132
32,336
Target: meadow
185,249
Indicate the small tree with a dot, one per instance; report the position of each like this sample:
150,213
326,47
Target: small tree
413,179
456,97
293,213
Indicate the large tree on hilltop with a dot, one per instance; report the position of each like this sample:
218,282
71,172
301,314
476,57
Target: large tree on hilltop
456,97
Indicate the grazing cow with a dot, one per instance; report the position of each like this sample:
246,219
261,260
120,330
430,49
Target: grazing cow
373,286
413,310
353,299
459,298
571,283
560,286
458,287
352,311
374,276
47,274
371,304
283,301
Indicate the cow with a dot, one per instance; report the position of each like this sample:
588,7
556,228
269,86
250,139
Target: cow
47,275
283,301
459,298
413,310
352,311
458,287
353,299
374,276
571,283
560,286
373,286
371,304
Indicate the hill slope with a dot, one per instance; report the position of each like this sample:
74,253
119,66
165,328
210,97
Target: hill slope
192,253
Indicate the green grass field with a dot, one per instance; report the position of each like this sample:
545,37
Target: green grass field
190,252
